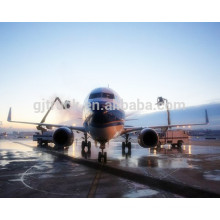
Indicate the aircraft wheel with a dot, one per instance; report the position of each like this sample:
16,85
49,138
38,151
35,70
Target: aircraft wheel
83,145
129,146
129,153
89,146
123,146
100,157
105,157
123,150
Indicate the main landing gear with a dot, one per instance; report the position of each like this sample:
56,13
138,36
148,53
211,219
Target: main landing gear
102,156
85,144
127,144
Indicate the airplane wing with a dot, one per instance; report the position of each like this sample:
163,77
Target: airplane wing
82,129
135,129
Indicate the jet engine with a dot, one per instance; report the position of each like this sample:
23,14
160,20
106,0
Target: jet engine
148,138
63,137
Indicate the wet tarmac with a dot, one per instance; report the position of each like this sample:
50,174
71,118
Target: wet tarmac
30,171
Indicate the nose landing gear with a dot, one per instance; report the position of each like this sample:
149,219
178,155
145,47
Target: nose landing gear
127,144
102,156
86,143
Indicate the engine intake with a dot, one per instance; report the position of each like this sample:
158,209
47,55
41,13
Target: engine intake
148,138
63,137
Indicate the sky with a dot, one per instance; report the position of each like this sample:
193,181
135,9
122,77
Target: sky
38,61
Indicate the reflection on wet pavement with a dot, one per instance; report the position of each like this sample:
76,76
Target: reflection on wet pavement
212,175
141,193
27,171
192,165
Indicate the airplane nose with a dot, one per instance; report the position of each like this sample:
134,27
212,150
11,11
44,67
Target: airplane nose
101,116
99,106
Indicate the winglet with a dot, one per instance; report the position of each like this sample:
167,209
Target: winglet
206,117
9,115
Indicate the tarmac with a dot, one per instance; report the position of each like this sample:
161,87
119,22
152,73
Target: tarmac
28,171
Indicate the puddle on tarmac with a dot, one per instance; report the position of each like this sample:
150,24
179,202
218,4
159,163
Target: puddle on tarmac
141,193
212,175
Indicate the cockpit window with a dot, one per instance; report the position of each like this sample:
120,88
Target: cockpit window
108,95
102,95
95,95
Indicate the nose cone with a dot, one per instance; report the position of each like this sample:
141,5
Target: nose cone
105,115
104,122
105,118
101,106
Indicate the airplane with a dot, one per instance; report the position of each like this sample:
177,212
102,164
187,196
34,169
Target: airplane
103,120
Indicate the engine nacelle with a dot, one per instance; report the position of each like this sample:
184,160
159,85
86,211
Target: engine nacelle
63,137
148,138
